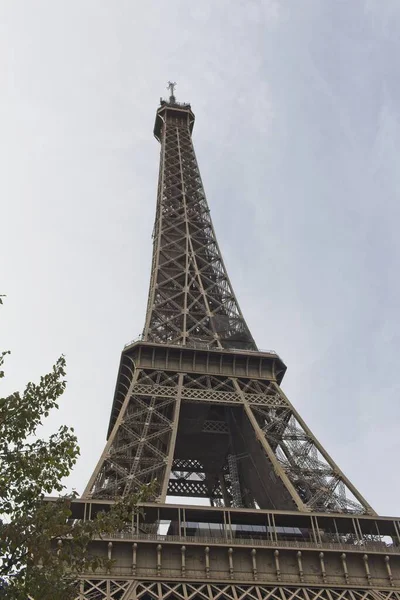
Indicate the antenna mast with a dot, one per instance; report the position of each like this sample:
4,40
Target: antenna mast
171,87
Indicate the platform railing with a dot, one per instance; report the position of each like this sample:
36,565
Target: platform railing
201,346
381,547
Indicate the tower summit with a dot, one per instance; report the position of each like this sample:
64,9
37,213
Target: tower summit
199,409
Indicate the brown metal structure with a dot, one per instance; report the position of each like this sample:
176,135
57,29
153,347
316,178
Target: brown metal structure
200,409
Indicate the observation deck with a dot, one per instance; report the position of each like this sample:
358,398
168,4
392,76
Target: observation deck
193,358
243,546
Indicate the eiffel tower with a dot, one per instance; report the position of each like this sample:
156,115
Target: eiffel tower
268,514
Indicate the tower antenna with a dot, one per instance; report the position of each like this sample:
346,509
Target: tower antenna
171,87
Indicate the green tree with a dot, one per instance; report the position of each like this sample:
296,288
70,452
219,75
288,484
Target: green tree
30,469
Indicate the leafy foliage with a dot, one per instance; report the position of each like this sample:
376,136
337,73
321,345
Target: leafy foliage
42,550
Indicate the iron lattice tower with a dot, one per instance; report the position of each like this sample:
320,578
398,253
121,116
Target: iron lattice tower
200,409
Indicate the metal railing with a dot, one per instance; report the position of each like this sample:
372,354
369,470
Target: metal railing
175,103
381,547
203,346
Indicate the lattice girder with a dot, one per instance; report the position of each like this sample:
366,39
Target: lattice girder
216,421
115,589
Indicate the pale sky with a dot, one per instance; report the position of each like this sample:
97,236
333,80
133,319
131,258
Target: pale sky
297,135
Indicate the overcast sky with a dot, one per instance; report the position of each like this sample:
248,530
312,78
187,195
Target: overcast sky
298,140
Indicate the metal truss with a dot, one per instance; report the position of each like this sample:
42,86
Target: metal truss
190,299
138,448
200,410
301,461
154,434
114,589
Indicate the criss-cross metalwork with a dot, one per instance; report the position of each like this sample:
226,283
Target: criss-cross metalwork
191,300
199,409
103,589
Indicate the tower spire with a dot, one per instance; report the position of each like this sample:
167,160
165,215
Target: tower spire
191,300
